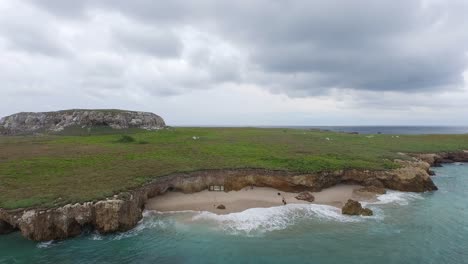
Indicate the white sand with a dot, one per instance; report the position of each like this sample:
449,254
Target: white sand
237,201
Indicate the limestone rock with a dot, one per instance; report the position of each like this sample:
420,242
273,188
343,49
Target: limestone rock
116,215
437,159
305,196
366,212
353,207
412,176
28,122
70,220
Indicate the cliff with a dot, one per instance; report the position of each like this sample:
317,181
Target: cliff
46,122
122,212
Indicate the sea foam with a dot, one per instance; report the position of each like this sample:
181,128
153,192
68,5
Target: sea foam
395,197
260,220
45,244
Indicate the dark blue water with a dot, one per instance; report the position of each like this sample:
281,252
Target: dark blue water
407,228
402,130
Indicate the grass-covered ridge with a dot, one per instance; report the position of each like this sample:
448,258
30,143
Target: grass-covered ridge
54,170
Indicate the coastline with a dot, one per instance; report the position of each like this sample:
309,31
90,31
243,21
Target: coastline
123,211
249,197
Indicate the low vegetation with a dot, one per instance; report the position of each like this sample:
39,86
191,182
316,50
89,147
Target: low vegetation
53,170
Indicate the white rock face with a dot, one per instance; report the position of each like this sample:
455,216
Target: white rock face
28,122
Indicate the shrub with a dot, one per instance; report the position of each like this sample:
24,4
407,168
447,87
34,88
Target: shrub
126,139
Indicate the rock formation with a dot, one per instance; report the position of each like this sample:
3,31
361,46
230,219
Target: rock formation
353,207
47,122
435,159
305,196
221,207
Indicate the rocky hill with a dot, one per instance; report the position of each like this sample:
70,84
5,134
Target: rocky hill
47,122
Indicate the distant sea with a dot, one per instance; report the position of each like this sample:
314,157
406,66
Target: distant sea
402,130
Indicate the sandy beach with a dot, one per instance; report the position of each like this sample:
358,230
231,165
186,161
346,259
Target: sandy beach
237,201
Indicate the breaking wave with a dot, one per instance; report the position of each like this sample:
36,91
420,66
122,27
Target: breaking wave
395,197
260,220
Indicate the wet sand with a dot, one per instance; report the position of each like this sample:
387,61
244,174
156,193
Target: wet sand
256,197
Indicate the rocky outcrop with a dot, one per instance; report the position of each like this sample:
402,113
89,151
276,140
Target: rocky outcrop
70,220
44,122
412,176
436,159
353,207
305,196
123,212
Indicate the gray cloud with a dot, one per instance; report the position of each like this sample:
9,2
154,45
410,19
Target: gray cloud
163,44
140,50
365,45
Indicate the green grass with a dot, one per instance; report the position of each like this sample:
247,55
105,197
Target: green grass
56,169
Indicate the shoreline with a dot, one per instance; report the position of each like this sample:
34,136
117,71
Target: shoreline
123,211
250,197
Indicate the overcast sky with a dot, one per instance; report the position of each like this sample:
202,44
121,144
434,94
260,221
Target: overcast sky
305,62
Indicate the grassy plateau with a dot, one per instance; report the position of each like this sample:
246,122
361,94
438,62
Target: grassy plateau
53,170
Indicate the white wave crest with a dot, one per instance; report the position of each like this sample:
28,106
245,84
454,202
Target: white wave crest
260,220
395,197
45,244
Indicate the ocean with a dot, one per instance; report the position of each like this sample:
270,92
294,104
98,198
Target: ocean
401,130
406,228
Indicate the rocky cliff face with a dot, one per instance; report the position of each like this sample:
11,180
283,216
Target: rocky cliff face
122,212
444,157
28,123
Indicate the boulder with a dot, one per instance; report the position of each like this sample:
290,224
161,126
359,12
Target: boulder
116,215
353,207
366,212
221,207
305,196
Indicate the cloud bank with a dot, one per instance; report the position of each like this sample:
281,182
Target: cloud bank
345,57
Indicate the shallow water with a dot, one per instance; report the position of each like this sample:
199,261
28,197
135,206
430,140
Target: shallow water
406,228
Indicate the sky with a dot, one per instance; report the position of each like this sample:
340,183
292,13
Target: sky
237,63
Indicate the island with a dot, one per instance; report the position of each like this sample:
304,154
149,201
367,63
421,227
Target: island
67,171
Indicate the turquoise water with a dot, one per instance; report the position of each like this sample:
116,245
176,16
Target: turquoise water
406,228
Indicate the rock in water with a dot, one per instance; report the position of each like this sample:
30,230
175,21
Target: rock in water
366,212
305,196
28,123
353,207
221,206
